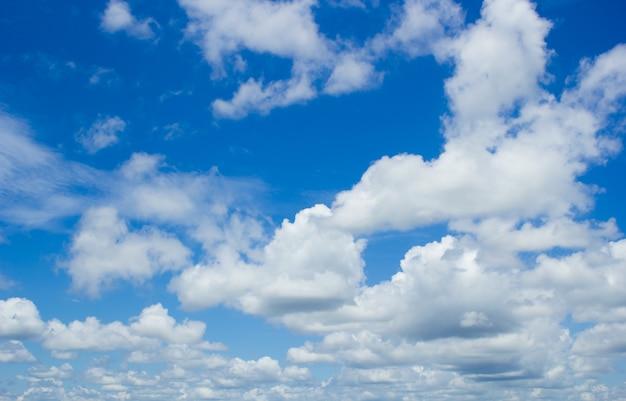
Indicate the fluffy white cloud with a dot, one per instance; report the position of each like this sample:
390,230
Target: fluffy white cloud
19,318
510,27
146,332
460,312
93,335
155,322
105,250
102,134
351,73
224,29
117,17
484,169
418,27
307,266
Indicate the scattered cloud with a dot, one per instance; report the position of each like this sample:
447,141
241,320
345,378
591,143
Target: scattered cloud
104,250
102,134
525,288
226,29
117,17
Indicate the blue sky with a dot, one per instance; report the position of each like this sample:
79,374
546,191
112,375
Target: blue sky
312,200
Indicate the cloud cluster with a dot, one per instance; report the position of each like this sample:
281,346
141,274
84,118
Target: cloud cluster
192,366
287,30
104,250
524,289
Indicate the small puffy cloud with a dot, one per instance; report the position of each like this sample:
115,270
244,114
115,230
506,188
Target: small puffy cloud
102,134
117,17
15,352
19,318
104,250
253,96
351,74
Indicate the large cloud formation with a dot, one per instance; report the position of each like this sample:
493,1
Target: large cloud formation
524,288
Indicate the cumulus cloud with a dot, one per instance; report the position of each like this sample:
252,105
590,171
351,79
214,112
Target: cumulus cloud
102,134
468,307
292,274
105,250
155,321
153,327
288,30
490,302
484,169
19,318
117,17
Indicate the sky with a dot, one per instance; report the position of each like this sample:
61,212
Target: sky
312,200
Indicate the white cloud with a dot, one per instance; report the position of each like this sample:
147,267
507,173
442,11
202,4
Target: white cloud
36,184
63,372
253,96
601,82
155,322
117,17
307,266
484,169
19,318
148,331
14,351
460,312
224,29
351,74
102,134
510,27
104,250
418,27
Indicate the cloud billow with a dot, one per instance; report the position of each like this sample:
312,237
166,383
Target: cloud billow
525,287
